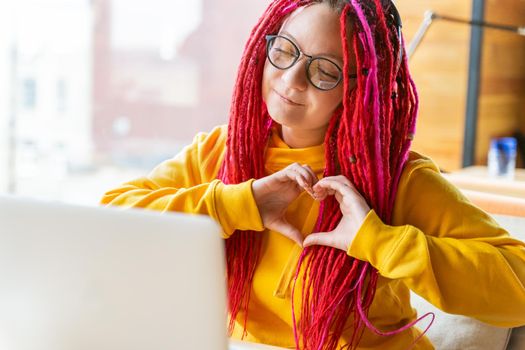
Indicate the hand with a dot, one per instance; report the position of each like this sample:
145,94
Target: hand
274,193
353,207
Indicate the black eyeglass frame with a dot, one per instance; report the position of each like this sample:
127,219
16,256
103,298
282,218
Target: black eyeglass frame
269,38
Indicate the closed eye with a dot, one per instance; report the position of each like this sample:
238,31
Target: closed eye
284,52
327,74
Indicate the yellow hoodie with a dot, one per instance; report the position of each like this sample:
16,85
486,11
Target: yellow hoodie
439,245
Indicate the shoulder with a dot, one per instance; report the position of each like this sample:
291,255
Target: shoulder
419,171
211,143
420,187
418,162
216,137
201,158
209,150
426,199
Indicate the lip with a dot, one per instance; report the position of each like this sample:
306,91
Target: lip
287,100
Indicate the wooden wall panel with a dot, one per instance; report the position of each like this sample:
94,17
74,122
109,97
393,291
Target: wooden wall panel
439,68
501,111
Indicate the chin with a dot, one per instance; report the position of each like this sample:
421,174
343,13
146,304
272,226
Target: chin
285,119
282,114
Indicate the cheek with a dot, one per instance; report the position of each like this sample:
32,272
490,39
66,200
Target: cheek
337,98
327,102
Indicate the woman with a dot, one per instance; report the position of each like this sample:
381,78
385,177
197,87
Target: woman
328,219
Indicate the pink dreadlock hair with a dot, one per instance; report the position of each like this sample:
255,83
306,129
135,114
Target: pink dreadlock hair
367,141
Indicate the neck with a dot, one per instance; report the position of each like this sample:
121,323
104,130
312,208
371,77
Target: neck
302,138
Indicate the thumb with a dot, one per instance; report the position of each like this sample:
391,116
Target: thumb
319,238
285,228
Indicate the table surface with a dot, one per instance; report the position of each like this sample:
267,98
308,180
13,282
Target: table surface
476,178
482,172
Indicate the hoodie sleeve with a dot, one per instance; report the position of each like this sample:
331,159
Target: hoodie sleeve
446,250
187,183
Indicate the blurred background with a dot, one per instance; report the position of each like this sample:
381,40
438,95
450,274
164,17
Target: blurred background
97,92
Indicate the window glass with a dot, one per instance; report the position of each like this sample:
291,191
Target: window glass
98,92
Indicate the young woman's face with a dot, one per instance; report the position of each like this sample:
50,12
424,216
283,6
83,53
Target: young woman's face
291,99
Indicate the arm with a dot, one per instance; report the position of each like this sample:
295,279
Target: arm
448,251
188,183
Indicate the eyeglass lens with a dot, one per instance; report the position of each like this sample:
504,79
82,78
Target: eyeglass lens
321,72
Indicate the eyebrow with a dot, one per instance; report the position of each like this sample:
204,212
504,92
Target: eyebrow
319,55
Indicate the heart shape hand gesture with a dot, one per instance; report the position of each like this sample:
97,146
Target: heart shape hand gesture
274,193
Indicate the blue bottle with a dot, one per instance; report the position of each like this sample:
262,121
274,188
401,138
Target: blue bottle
502,157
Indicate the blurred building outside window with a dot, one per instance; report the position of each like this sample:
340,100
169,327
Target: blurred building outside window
98,92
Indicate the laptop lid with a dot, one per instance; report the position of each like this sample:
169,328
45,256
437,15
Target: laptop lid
75,277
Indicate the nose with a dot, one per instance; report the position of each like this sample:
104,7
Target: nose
295,76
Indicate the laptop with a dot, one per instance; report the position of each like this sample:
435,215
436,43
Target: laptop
85,278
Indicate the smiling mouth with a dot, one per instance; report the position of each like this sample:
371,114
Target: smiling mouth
288,100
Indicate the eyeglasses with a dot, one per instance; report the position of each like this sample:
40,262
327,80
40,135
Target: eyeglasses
321,72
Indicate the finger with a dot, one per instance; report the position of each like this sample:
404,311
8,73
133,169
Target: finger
288,174
312,174
320,193
344,180
338,178
319,238
304,173
339,190
329,189
285,228
311,193
302,178
348,183
323,190
332,184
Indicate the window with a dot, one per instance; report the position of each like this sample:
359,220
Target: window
28,94
107,89
61,96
